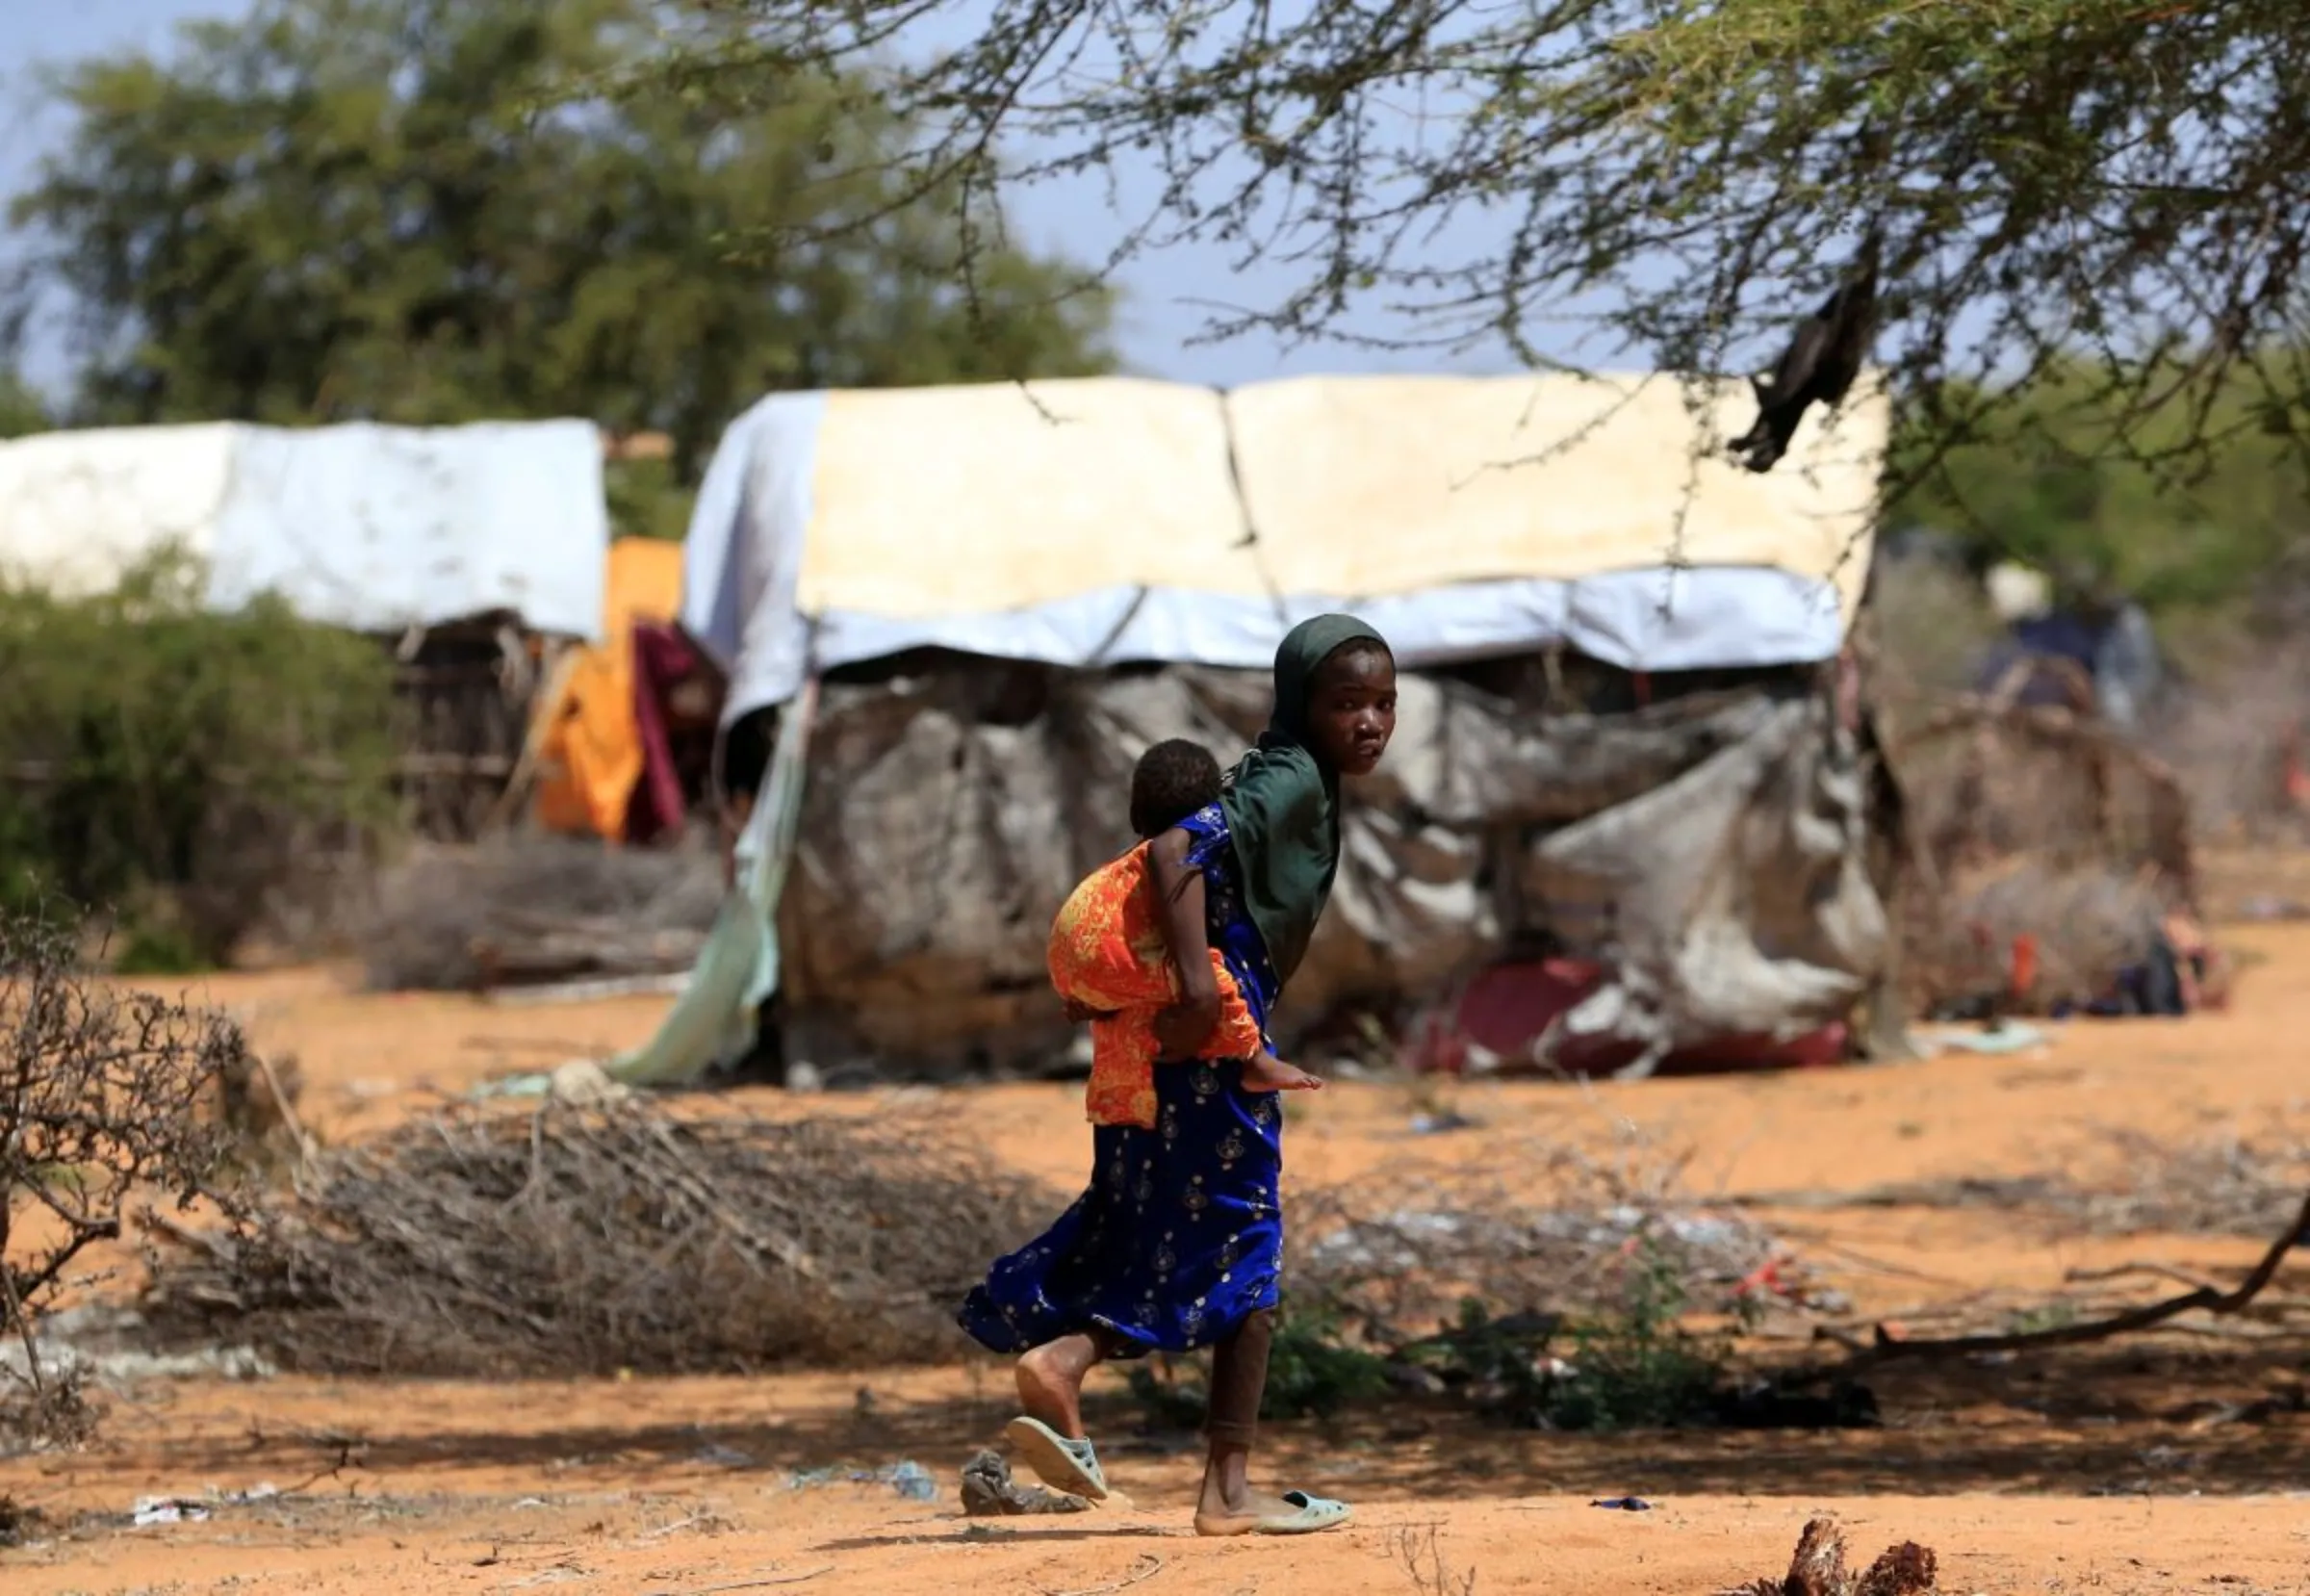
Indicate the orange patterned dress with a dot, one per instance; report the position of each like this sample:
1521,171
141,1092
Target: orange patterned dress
1107,953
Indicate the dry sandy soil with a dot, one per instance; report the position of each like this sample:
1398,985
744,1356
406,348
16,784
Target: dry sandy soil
2108,1470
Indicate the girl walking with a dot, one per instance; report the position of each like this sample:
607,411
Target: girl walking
1178,1242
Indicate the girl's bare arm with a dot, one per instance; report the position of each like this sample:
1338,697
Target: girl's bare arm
1184,1027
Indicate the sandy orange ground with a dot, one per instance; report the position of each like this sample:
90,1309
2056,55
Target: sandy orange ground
2046,1475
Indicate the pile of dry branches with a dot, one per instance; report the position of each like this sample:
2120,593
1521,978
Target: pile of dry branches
524,907
572,1241
2222,1187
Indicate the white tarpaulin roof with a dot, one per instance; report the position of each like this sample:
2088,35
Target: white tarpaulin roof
374,528
1113,519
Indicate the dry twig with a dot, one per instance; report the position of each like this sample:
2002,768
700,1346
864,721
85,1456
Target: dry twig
1148,1567
1886,1348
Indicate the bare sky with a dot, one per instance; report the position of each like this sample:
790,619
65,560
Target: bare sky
1161,313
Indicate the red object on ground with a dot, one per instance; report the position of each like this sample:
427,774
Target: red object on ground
1506,1010
2025,970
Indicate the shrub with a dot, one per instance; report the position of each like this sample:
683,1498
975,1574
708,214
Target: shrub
103,1096
187,769
1314,1371
1638,1367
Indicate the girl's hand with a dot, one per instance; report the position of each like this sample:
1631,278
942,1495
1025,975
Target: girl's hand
1083,1014
1183,1028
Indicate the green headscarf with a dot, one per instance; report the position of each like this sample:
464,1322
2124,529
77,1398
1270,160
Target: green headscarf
1283,806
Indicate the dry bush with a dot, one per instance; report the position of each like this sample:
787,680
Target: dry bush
575,1241
2089,923
2224,1187
2227,737
102,1097
1553,1229
1929,624
2028,819
525,905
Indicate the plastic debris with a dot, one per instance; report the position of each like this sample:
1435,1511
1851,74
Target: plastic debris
908,1477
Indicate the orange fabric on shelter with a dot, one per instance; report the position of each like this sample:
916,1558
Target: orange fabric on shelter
1107,953
593,751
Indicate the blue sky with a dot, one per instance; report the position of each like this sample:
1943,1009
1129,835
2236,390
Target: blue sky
1162,290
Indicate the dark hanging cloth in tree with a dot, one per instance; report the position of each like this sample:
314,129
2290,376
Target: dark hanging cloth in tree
1817,367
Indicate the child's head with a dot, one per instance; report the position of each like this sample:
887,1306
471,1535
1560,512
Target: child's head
1174,780
1335,692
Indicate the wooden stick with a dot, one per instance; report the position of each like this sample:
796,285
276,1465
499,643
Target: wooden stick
1885,1349
1153,1565
753,1585
280,1100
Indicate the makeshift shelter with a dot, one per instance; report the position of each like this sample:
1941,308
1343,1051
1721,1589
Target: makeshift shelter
475,552
972,608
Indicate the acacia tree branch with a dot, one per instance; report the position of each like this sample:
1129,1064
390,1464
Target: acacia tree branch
1673,181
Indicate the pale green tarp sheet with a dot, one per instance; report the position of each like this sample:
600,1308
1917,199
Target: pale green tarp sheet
713,1020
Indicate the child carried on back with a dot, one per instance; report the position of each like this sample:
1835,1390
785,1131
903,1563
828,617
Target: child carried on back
1108,961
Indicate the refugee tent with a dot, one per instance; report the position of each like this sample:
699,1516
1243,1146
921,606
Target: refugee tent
972,608
478,551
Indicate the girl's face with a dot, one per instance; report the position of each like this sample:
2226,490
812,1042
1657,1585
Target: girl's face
1351,709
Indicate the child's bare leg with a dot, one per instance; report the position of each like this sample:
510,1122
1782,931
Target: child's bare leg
1239,1379
1050,1381
1264,1073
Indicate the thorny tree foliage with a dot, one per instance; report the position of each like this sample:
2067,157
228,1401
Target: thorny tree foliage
2045,183
103,1097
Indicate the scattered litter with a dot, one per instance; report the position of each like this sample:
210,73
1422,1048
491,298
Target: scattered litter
163,1510
60,1358
2008,1038
1624,1504
1437,1125
723,1458
989,1492
908,1477
590,992
151,1510
580,1082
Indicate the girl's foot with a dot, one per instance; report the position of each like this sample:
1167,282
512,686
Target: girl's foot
1257,1513
1050,1383
1266,1075
1065,1464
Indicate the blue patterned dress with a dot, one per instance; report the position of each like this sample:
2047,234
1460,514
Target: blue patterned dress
1179,1236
